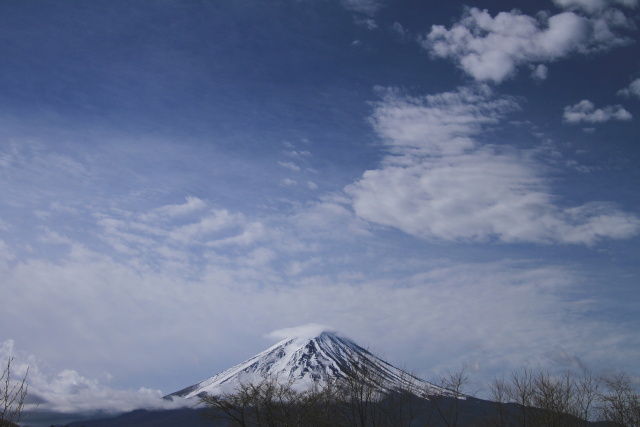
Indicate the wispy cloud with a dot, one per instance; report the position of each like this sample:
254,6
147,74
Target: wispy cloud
586,111
367,7
180,235
633,90
442,183
290,165
594,6
192,204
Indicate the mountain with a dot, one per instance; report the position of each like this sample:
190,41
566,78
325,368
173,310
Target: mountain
305,360
318,358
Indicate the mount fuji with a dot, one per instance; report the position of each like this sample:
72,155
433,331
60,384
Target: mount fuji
315,356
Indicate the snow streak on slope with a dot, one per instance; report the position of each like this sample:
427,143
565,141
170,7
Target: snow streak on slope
306,361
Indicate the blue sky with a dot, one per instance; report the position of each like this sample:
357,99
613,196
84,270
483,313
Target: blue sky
449,183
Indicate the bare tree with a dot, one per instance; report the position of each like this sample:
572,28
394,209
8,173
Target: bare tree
620,402
236,408
588,390
13,395
521,393
403,405
554,399
359,393
364,396
448,404
271,403
499,393
369,397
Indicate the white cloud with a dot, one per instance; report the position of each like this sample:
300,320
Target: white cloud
594,6
300,333
297,154
492,48
539,72
290,165
215,221
68,391
192,204
155,238
442,184
585,111
632,90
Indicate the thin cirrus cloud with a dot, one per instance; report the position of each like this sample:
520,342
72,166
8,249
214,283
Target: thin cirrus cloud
290,165
441,183
491,49
178,239
586,111
367,7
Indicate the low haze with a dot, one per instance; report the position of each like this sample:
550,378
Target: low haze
446,183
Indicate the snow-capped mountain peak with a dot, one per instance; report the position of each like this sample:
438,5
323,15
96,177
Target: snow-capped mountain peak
314,356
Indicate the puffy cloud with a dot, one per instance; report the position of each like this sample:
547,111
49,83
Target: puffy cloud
585,111
632,90
539,72
441,183
492,48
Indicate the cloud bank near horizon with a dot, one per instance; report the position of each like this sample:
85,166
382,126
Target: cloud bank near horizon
497,314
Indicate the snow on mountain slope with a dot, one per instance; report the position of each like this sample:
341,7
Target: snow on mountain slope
305,360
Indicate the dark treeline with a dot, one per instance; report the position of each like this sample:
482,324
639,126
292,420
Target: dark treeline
525,399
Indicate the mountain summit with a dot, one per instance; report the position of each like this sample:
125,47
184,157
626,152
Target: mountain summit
307,359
